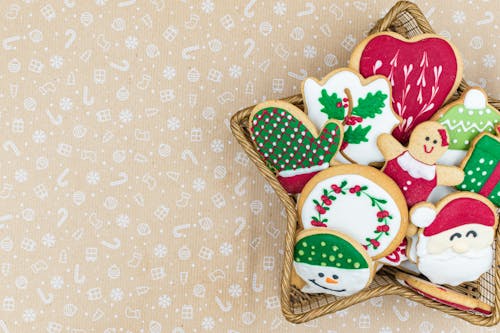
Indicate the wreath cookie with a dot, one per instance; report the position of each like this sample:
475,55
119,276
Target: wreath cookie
359,201
290,144
362,105
330,262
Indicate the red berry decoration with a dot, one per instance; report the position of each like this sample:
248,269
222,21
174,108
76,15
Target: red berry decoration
336,189
320,209
326,200
382,214
318,224
383,228
375,243
355,189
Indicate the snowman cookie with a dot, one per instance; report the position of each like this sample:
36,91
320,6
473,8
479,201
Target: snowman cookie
482,168
362,105
454,242
414,168
359,201
443,295
330,262
465,119
290,144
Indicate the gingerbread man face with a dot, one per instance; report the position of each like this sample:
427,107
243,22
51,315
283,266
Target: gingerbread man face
428,142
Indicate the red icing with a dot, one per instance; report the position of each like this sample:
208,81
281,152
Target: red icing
459,212
492,181
412,69
295,184
418,190
399,254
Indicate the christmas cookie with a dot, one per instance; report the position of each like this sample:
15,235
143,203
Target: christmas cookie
414,168
456,236
290,144
464,119
359,201
331,263
424,73
482,168
443,295
362,105
397,256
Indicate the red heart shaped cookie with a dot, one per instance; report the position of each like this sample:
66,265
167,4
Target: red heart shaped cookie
424,72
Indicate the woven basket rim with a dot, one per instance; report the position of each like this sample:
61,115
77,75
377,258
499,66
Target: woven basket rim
239,129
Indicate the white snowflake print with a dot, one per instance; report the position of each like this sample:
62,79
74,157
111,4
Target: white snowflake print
173,123
164,301
29,315
126,116
131,42
217,146
208,323
39,136
235,290
49,240
207,6
56,61
226,249
235,71
21,175
458,17
160,250
199,184
116,294
169,72
101,2
309,51
65,103
57,282
93,177
279,8
122,221
489,61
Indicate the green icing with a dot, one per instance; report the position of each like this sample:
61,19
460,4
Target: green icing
286,144
332,105
481,164
339,252
463,124
356,134
370,106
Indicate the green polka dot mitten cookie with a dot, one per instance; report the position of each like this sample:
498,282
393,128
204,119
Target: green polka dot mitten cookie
291,145
330,262
465,119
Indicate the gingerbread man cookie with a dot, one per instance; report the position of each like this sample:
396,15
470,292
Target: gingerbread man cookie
330,262
414,168
290,144
465,119
362,105
454,242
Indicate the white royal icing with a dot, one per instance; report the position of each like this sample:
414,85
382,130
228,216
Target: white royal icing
354,215
365,152
474,99
301,171
422,216
349,281
415,168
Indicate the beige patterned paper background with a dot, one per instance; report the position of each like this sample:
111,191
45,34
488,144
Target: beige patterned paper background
125,203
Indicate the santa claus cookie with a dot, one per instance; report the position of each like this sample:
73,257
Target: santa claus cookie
331,263
464,120
482,168
443,295
424,73
290,144
359,201
414,168
362,105
456,236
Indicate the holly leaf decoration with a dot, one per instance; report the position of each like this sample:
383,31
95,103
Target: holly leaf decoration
332,105
370,106
356,134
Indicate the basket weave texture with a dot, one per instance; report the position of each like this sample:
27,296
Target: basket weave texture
406,19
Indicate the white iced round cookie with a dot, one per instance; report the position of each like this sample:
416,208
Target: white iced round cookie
362,105
331,263
359,201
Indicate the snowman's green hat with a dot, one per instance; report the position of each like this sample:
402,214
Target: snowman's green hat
326,249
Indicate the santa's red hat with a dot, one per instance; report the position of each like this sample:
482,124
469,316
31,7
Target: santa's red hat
458,212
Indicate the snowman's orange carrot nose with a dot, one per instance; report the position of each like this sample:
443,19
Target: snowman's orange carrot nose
330,280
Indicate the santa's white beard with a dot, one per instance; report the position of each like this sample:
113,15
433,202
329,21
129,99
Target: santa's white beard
453,268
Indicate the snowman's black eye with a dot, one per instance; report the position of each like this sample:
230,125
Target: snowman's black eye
435,141
321,274
427,138
335,276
